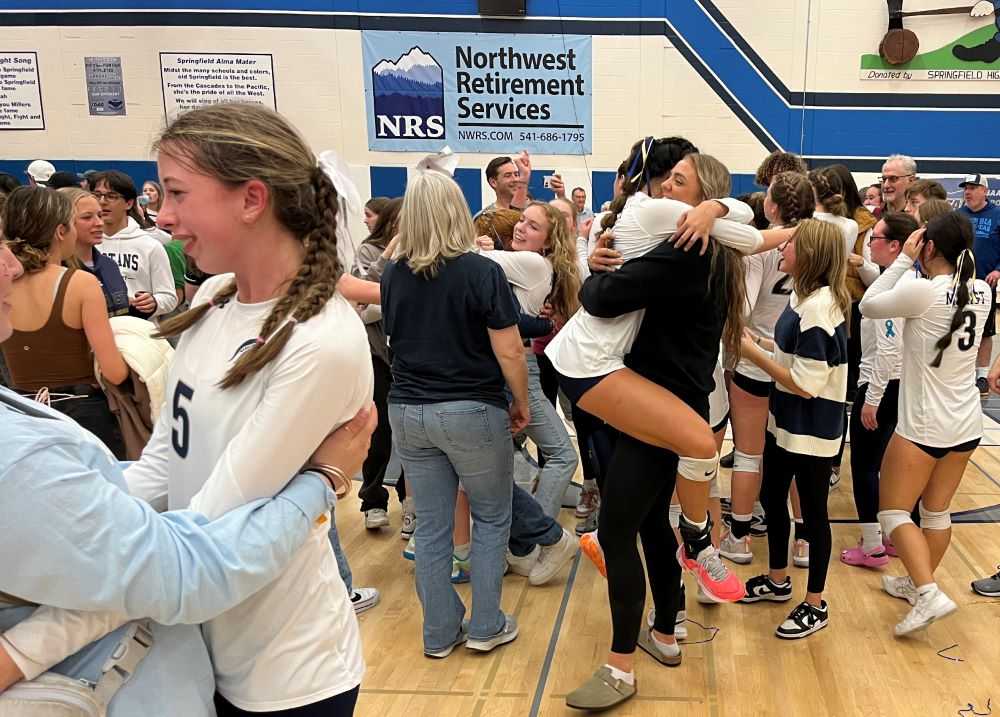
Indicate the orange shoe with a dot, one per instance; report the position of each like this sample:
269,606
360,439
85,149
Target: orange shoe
712,574
592,549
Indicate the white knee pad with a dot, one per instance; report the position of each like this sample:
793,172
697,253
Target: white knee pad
934,519
699,470
713,487
675,515
892,519
746,463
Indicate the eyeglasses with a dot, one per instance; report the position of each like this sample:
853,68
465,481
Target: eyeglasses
891,179
873,237
107,196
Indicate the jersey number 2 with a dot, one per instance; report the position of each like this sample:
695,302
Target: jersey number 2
968,337
181,434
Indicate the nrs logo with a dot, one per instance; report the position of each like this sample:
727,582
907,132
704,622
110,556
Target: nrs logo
409,97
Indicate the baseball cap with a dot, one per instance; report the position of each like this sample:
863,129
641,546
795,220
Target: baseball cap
41,171
974,179
63,179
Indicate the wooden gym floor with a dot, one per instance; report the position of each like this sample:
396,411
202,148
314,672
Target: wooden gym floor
854,667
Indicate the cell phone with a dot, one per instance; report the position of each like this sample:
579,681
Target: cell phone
547,181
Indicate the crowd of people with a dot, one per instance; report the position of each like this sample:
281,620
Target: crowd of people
228,311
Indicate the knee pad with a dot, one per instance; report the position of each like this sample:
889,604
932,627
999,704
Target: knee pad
746,463
892,519
699,470
934,519
675,515
713,487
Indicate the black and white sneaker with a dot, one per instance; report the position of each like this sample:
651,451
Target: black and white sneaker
760,588
803,621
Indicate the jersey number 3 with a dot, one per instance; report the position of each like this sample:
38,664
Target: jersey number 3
181,434
968,338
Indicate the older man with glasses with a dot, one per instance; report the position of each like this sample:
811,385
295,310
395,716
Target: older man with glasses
898,173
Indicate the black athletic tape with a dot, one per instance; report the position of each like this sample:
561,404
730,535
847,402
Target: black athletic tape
712,629
940,653
970,711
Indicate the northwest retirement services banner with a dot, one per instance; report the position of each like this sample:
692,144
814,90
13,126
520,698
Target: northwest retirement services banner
477,92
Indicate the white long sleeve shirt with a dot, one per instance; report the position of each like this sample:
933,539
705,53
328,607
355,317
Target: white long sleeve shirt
144,265
215,449
938,407
590,346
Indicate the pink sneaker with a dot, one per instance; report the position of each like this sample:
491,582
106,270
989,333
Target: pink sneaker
714,577
592,549
890,549
875,558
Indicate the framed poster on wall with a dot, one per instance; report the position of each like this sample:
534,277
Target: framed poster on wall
196,79
20,92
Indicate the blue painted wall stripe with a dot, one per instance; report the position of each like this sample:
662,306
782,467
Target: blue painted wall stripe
387,181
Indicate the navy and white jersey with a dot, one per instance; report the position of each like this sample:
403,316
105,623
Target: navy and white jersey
810,339
938,407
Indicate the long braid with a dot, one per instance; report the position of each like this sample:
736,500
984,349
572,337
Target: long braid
635,173
964,272
793,195
313,286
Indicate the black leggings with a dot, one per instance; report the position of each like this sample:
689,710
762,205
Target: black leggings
341,705
372,493
812,476
636,501
868,448
596,440
93,413
548,377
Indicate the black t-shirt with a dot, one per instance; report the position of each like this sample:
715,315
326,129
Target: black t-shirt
686,306
438,330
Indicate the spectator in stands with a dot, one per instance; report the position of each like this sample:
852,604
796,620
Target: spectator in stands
40,172
60,317
985,219
898,173
919,192
90,233
140,257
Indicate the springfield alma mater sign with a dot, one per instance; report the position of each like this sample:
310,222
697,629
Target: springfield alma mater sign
478,93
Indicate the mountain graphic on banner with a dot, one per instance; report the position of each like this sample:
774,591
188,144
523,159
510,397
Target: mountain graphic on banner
415,72
409,96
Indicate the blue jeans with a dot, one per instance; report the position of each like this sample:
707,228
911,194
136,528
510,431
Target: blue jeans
442,445
548,433
529,526
343,567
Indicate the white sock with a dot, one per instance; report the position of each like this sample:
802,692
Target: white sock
668,649
462,551
674,516
743,517
758,509
927,589
694,523
982,371
871,536
626,677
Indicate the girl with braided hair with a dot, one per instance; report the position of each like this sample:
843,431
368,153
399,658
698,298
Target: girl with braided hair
789,200
271,359
940,419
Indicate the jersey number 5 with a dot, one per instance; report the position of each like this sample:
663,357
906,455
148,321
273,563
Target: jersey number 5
968,338
181,434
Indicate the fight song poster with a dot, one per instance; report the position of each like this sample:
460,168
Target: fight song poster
478,92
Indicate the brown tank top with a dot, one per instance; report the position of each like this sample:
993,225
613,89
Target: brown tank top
54,355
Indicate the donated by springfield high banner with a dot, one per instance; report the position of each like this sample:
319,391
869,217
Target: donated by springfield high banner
477,92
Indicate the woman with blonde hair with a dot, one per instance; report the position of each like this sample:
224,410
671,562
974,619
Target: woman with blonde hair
272,360
806,414
90,233
60,317
447,406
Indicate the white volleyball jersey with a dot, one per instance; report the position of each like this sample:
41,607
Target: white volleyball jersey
938,407
295,642
768,289
881,352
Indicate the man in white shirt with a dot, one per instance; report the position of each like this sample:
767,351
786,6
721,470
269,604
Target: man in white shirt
898,173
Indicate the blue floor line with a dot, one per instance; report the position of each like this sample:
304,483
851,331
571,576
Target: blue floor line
536,703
